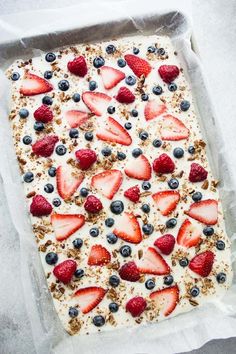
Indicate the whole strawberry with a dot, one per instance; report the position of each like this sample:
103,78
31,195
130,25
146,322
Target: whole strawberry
197,173
86,158
136,306
165,244
129,271
78,66
40,206
93,204
133,194
163,164
124,95
64,271
43,114
202,263
45,146
168,73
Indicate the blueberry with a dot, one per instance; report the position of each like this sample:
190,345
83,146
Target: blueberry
73,133
151,49
221,278
109,222
171,223
61,150
150,284
134,113
51,258
47,100
79,273
208,231
84,192
63,85
143,135
106,151
184,105
125,251
144,97
23,113
48,74
146,185
157,143
98,62
111,109
15,76
92,85
168,279
157,90
76,97
78,243
145,208
28,177
173,183
113,307
110,49
94,232
194,291
191,150
178,152
130,80
52,171
50,57
135,50
137,152
56,202
161,51
114,281
197,196
128,125
117,207
88,136
220,245
39,126
172,87
112,239
148,229
98,321
48,188
73,312
121,63
121,156
27,140
183,262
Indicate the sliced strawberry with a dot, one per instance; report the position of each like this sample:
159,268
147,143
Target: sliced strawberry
124,95
173,129
114,132
202,263
128,228
138,65
166,299
129,272
97,102
67,183
136,306
110,76
64,271
76,118
139,168
78,66
197,173
107,182
153,263
165,244
168,73
65,225
34,85
153,109
44,147
205,211
163,164
99,256
166,201
88,298
133,194
188,235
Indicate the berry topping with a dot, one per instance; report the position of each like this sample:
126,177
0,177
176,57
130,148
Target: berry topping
76,97
163,164
197,196
221,278
113,132
112,239
153,110
38,126
97,102
117,207
202,263
98,321
139,168
197,173
150,284
63,85
138,65
98,256
113,307
125,251
129,272
157,90
47,100
88,298
184,105
111,77
23,113
78,243
50,57
107,182
110,49
51,258
43,114
92,85
64,271
76,118
124,95
45,146
130,80
98,62
40,206
173,183
28,177
65,225
86,158
93,204
205,211
171,223
136,306
168,280
27,140
188,235
79,273
73,312
172,129
166,299
168,73
128,228
114,281
153,263
78,66
94,232
148,229
121,63
34,85
67,183
133,194
166,201
165,244
178,152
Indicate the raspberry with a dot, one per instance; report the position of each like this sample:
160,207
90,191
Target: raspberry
86,158
197,173
45,146
65,270
168,73
136,306
125,95
163,164
78,66
43,114
93,204
133,194
40,206
129,271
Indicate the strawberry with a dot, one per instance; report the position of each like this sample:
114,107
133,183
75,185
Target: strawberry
165,244
173,129
153,263
88,298
166,201
129,272
188,235
64,271
45,146
197,173
110,76
163,164
202,263
34,85
40,206
93,204
138,65
168,73
136,306
124,95
78,66
128,228
43,114
133,194
153,109
139,168
67,183
65,225
76,118
113,132
166,299
98,256
86,158
205,211
107,182
97,102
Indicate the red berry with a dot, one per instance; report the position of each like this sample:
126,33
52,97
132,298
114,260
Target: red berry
163,164
125,95
133,194
65,270
168,73
202,263
40,206
129,271
43,114
78,66
165,244
93,204
86,158
136,306
197,173
45,146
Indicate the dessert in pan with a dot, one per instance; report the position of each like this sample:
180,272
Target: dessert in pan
123,205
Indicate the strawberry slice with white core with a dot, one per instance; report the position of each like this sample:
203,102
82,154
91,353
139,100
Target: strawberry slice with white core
76,118
139,168
97,102
99,256
205,211
153,263
107,182
128,228
166,299
153,109
113,132
188,235
138,65
65,225
173,129
110,76
88,298
166,201
34,85
67,183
